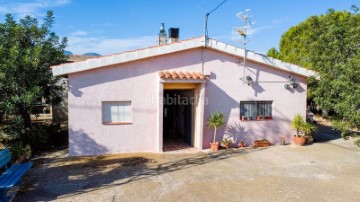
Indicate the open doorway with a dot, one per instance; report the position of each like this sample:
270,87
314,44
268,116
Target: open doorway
178,119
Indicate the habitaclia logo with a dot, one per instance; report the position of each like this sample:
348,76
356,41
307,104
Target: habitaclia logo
177,99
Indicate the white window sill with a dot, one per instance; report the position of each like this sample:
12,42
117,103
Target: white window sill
118,123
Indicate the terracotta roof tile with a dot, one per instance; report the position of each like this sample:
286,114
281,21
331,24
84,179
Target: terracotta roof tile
195,75
167,75
181,75
174,75
188,75
184,75
162,75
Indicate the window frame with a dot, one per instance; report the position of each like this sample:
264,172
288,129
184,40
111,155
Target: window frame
258,117
103,104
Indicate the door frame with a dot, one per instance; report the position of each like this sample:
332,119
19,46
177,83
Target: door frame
198,114
192,112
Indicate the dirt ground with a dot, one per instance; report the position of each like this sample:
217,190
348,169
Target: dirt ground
324,171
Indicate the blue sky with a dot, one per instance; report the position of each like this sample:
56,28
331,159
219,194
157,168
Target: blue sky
112,26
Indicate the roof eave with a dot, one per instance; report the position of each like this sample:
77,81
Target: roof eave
130,56
262,59
89,64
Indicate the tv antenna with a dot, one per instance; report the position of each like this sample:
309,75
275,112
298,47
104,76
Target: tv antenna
243,34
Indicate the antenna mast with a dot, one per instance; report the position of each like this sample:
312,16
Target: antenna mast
243,33
206,20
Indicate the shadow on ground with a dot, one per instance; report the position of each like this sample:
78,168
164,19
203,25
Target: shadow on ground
57,177
326,133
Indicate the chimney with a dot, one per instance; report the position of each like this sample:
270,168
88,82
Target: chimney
162,38
173,35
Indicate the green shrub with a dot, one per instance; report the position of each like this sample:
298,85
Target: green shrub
40,136
20,153
300,125
297,123
308,129
226,142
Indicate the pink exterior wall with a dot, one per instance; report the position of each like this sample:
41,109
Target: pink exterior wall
138,82
225,90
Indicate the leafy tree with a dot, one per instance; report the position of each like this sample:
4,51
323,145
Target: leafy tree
329,44
27,50
274,53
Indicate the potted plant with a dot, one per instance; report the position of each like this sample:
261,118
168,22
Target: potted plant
216,120
297,123
308,129
242,144
282,141
226,143
246,118
262,143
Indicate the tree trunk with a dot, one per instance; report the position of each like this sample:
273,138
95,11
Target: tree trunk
214,135
25,115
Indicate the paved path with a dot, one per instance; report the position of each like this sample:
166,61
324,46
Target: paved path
327,171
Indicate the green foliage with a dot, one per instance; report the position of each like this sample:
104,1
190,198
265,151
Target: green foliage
226,142
297,123
18,151
274,53
216,120
300,125
39,136
357,142
355,9
308,129
329,44
27,50
345,129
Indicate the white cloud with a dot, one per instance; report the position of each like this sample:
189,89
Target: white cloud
33,8
79,33
258,29
104,46
274,23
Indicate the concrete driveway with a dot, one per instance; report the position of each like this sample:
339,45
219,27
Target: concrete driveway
327,171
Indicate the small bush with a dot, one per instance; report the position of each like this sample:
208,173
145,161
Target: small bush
226,143
40,136
20,153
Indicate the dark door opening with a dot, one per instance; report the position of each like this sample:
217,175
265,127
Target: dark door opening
178,119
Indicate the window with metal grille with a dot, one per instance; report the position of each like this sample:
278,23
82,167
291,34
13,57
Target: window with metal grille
255,110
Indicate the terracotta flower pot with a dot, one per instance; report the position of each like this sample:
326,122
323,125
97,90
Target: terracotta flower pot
241,144
214,146
300,141
261,143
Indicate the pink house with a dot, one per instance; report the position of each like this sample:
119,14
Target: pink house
138,100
